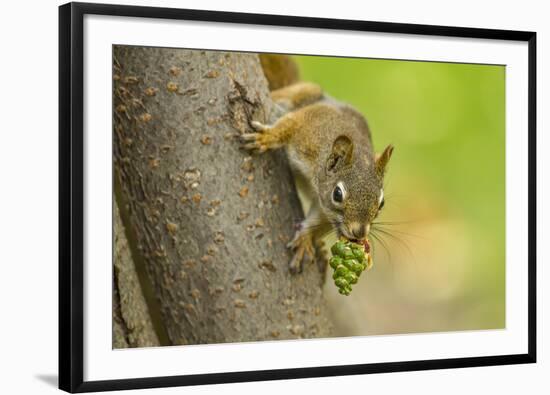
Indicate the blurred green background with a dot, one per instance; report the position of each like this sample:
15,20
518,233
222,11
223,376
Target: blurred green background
443,267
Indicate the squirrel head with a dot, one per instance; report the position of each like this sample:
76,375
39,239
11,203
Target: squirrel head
351,189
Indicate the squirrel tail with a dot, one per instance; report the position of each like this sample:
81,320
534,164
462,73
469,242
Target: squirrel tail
279,70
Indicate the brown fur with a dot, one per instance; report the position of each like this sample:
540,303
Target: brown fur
279,70
328,144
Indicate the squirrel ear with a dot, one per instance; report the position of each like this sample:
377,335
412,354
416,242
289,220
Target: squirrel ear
383,159
341,155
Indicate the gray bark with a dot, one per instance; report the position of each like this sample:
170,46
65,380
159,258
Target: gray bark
120,334
211,222
132,325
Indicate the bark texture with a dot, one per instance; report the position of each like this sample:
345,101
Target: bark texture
120,334
211,222
132,325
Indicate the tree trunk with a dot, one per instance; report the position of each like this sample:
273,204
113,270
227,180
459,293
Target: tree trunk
132,325
211,222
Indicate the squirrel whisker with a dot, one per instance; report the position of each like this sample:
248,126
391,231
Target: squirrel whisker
402,243
381,227
379,240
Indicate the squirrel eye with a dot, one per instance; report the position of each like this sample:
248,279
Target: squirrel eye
337,195
381,205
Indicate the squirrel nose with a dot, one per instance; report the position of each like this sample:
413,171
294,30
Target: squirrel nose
358,230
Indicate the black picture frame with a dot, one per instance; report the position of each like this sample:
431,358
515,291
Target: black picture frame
71,198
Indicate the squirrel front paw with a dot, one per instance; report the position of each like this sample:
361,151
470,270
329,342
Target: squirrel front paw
304,252
264,139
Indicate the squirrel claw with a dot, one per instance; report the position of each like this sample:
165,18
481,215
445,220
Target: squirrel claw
265,138
249,137
294,243
258,126
295,264
303,252
255,142
255,146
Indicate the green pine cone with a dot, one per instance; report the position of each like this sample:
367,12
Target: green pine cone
357,268
348,253
340,271
359,254
351,278
335,261
338,248
348,262
345,291
341,282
